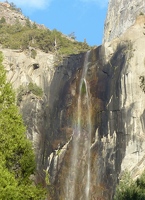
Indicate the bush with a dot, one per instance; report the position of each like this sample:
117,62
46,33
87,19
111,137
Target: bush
2,21
129,189
14,7
141,13
33,53
17,36
24,90
32,87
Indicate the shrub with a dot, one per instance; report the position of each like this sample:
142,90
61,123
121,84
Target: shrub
33,53
32,87
2,21
141,13
24,90
129,189
18,36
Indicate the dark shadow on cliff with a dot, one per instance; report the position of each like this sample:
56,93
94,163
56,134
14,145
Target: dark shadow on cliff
107,116
60,100
112,119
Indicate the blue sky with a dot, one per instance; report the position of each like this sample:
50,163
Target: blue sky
83,17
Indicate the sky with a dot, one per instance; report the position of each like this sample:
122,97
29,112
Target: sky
84,18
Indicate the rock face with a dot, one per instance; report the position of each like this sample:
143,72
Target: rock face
121,15
115,84
13,16
21,70
116,79
42,115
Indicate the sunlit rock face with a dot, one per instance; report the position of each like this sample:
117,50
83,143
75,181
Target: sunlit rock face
120,16
89,125
117,118
21,70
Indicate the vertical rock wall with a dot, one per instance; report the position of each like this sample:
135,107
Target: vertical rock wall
21,70
117,99
108,135
121,15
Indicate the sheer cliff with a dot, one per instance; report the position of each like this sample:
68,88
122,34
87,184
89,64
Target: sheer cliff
110,79
115,76
121,15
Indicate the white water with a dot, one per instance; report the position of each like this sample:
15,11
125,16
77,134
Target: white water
79,171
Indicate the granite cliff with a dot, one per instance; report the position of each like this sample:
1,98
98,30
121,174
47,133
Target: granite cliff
115,75
121,15
115,83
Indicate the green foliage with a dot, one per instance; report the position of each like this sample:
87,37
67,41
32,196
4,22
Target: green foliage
141,13
47,178
125,184
2,20
17,36
33,53
129,189
14,7
23,90
28,23
83,89
32,87
16,154
34,26
72,35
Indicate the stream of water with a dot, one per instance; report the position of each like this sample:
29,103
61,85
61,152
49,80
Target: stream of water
79,177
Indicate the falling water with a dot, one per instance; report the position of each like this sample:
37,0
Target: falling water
79,177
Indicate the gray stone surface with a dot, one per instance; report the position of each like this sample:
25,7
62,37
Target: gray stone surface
43,116
121,15
21,70
118,103
12,16
118,142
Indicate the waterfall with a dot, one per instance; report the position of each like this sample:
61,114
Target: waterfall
79,176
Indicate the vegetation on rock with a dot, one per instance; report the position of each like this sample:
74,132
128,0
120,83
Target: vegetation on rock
31,88
16,154
17,36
